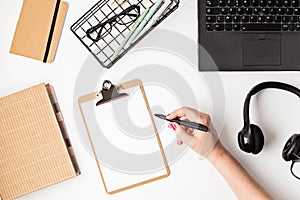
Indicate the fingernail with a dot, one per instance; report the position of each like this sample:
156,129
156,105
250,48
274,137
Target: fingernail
168,114
173,127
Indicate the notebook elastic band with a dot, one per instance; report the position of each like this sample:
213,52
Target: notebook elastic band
51,31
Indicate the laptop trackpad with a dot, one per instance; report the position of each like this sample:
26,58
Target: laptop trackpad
261,49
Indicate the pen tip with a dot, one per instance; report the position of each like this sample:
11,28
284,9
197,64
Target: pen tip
160,116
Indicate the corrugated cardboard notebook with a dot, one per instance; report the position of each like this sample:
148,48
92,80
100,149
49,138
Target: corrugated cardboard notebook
39,28
35,150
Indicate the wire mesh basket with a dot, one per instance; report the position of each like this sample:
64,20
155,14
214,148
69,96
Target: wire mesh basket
115,29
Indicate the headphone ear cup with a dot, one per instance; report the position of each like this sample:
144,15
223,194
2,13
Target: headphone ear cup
245,140
291,148
258,139
251,139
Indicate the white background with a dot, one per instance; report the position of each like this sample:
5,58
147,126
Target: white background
277,113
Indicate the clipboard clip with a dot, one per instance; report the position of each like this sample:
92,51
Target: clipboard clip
109,93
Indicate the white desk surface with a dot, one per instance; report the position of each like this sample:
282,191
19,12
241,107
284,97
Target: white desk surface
190,178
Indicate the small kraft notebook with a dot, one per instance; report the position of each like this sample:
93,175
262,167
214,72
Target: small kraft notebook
35,150
38,30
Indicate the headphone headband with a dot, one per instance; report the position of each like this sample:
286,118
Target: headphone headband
262,86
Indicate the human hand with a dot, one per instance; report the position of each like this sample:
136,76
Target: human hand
201,142
208,145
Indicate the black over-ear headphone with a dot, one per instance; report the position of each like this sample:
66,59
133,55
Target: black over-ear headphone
251,138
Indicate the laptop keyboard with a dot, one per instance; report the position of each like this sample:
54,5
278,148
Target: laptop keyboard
252,15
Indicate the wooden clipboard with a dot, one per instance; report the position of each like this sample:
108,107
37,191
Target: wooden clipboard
109,93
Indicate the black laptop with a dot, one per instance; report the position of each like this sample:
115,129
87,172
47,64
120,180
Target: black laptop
250,35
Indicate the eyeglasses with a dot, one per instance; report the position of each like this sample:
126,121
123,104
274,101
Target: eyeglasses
126,17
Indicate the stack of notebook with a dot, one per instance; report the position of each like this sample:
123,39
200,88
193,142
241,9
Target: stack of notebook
35,150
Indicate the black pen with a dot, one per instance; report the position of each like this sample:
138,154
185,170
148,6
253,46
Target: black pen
192,125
